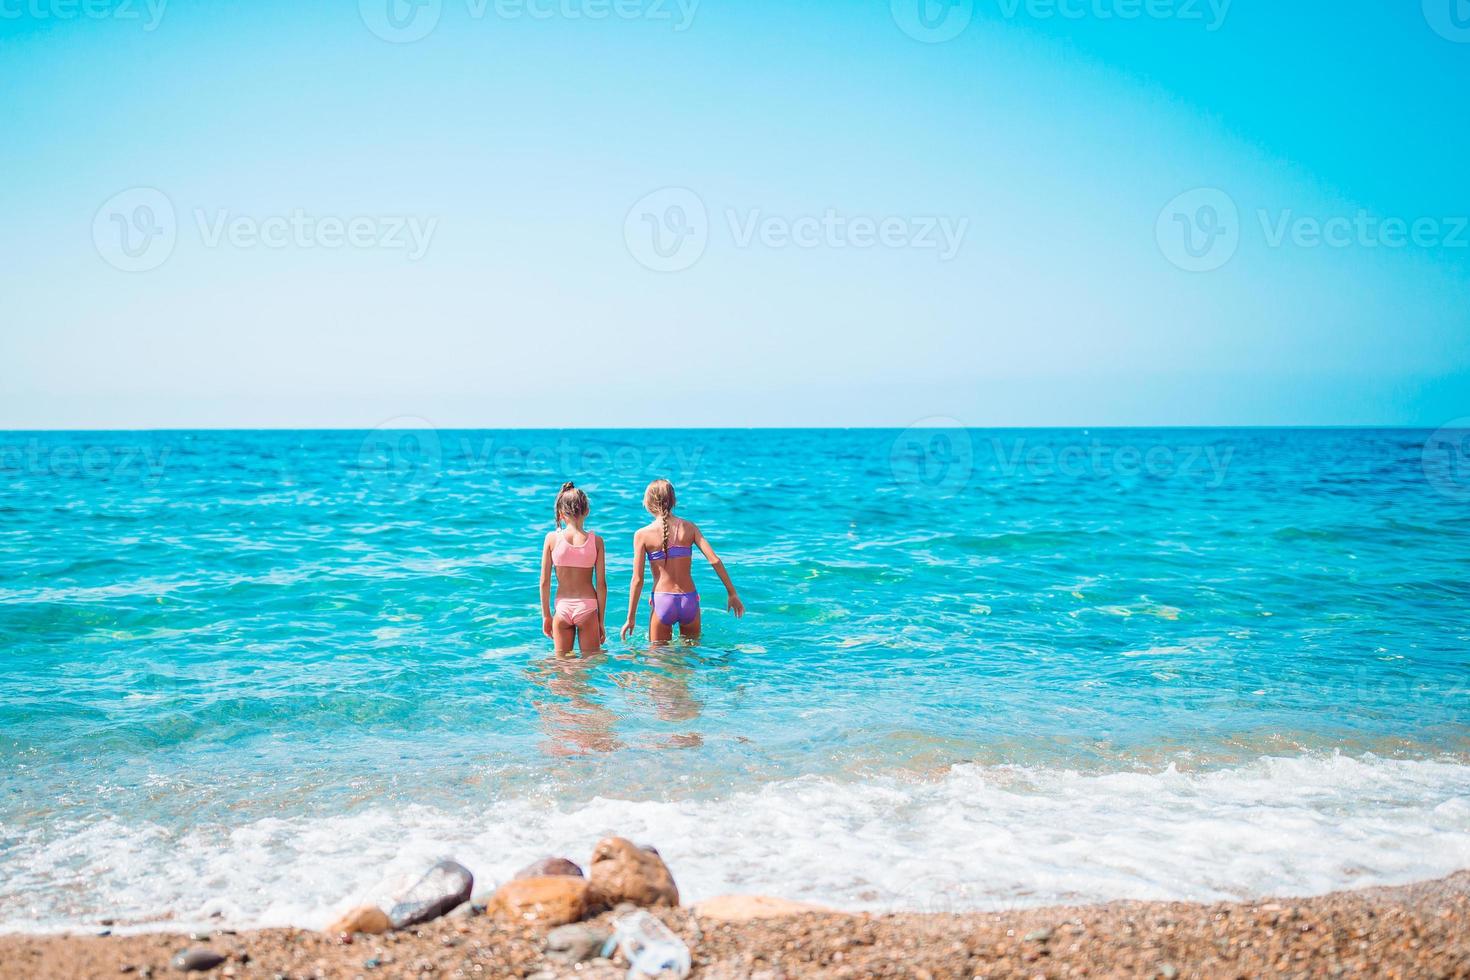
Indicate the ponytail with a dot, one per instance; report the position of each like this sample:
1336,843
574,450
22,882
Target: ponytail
570,502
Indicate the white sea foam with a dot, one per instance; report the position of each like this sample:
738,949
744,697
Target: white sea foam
977,837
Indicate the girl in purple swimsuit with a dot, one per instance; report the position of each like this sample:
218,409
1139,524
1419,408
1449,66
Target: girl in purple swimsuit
668,544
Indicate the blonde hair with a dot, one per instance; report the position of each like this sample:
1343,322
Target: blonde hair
570,502
658,500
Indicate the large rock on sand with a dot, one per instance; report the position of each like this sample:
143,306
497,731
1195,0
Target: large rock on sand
550,868
446,885
621,871
743,908
369,919
550,900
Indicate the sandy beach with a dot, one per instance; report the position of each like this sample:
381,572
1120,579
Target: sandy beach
1412,931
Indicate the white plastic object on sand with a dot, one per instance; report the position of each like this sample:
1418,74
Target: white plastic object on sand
649,945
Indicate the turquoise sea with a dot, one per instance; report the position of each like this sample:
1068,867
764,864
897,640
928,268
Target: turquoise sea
257,675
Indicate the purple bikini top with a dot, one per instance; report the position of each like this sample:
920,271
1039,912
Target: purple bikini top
675,551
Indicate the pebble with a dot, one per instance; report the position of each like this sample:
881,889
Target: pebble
367,918
550,867
621,871
1168,971
189,960
443,887
1038,936
575,943
550,901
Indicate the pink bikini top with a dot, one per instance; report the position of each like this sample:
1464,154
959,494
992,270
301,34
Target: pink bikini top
569,555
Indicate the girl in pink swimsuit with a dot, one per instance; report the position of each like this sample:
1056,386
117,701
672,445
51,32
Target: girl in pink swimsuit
581,595
668,544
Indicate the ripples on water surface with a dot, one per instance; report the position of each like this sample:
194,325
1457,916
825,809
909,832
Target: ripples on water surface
236,662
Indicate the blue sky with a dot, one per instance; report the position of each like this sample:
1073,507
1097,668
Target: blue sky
857,224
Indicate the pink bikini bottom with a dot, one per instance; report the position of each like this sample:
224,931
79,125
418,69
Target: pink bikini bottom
577,612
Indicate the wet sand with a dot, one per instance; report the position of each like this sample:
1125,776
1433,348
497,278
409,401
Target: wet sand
1414,931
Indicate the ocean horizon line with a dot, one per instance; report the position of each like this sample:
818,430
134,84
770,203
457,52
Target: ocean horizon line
1336,427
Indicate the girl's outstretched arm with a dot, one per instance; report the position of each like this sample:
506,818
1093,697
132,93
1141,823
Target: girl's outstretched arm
601,592
546,547
635,590
733,603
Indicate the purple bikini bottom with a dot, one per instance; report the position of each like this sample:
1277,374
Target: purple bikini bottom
675,607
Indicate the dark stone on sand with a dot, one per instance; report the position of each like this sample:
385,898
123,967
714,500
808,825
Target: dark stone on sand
446,886
550,868
575,943
191,960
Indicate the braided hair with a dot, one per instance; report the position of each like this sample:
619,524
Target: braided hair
658,500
